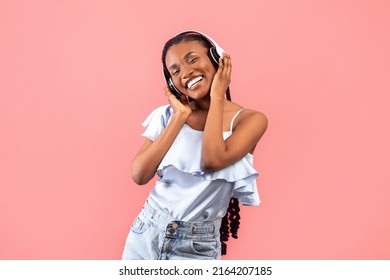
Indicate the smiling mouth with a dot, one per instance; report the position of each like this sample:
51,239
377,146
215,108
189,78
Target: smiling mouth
191,84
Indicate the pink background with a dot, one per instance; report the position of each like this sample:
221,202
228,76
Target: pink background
78,77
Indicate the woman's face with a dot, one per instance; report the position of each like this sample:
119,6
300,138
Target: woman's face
190,68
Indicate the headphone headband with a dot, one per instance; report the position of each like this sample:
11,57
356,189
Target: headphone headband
217,47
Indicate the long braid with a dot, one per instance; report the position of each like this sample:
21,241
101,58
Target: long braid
224,233
231,221
234,217
230,224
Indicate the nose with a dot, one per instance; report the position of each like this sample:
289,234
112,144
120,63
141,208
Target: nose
186,72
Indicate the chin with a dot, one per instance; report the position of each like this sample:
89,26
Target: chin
199,95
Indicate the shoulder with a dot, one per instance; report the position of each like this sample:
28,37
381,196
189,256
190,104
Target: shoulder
163,110
249,127
248,116
253,120
254,116
160,114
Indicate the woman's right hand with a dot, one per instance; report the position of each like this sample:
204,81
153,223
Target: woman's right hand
181,107
148,158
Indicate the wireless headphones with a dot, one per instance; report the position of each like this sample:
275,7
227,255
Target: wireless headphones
214,53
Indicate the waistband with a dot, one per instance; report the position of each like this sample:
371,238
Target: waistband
175,228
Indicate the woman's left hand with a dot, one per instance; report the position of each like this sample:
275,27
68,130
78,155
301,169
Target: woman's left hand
222,78
180,107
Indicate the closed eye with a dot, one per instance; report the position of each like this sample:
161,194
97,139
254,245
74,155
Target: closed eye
175,72
192,60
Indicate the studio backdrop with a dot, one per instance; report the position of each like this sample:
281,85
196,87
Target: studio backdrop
77,79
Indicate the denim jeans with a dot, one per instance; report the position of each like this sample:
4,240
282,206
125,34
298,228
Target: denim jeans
155,235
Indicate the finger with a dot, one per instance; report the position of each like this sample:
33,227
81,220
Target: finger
220,65
225,61
167,91
228,59
228,64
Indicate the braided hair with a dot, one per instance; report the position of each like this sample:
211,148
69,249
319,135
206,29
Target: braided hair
231,221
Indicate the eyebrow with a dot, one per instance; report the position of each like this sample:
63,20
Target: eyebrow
185,57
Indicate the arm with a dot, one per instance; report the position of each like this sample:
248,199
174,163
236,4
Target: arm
216,152
146,161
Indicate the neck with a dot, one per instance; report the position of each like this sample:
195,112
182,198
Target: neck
201,104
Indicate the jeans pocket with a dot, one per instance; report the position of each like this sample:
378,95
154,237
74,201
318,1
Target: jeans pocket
140,225
205,247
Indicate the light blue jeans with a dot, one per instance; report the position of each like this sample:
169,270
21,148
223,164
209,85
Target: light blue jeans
155,235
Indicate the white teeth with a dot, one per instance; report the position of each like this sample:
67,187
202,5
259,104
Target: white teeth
194,81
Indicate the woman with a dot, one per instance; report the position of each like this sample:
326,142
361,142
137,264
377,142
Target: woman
200,145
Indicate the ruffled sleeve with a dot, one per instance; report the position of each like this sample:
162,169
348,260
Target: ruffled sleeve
157,121
246,191
245,188
242,175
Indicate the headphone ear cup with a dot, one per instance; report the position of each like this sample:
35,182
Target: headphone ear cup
171,85
173,89
214,56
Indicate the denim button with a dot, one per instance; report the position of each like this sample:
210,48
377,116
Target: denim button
172,231
174,225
